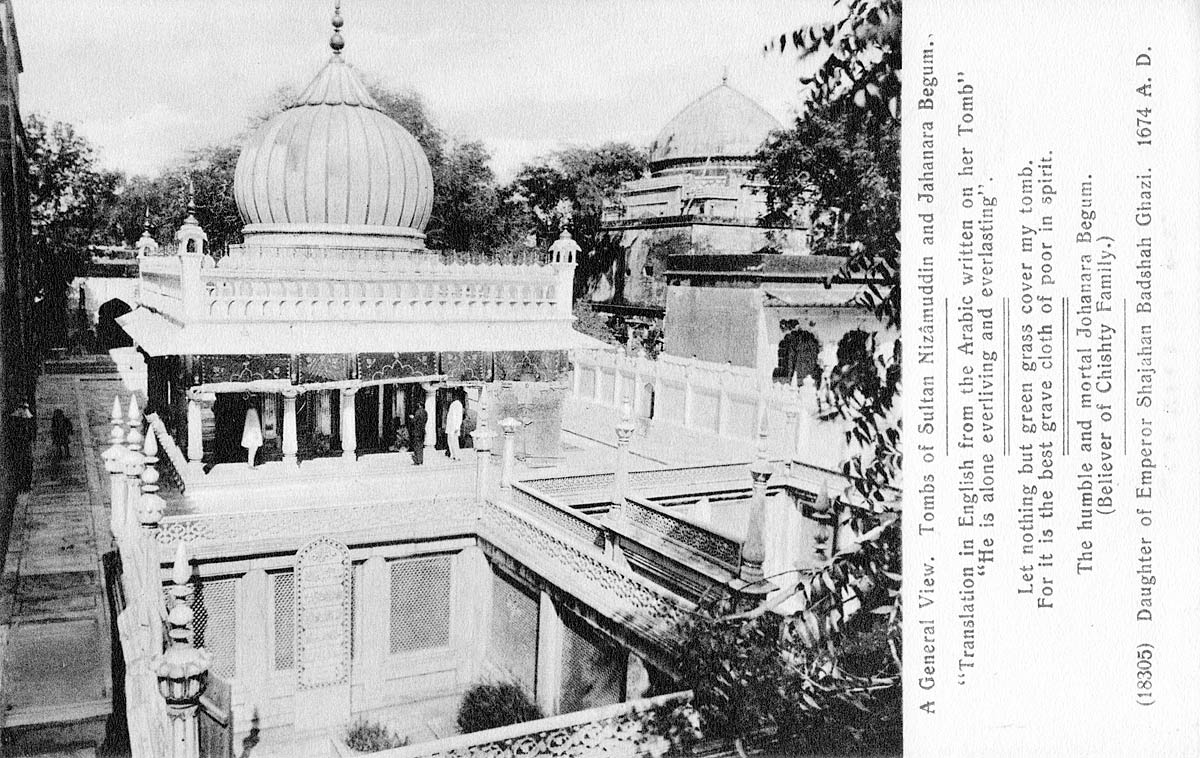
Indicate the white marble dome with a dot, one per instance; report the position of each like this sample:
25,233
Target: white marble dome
333,165
720,124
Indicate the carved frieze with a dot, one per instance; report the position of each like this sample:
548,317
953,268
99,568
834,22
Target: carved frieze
531,365
472,366
372,366
323,367
244,368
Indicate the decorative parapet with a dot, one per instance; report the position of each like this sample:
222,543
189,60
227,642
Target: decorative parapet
318,284
636,728
595,580
705,542
291,528
549,510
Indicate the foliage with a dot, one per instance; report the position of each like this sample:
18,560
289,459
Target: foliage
489,705
467,206
570,188
370,737
858,57
597,324
69,196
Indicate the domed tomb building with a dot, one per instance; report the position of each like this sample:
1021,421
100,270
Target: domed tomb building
332,321
699,198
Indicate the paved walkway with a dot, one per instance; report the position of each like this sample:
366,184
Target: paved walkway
57,664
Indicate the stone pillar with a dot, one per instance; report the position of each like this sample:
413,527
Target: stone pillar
290,447
625,431
374,635
576,377
112,457
754,549
255,646
597,390
792,425
806,401
723,400
482,439
195,428
549,656
182,670
349,431
688,394
509,425
431,414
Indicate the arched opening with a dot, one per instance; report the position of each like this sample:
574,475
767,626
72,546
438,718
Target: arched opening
109,333
855,369
799,353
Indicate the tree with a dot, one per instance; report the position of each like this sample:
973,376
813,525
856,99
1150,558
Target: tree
69,201
571,187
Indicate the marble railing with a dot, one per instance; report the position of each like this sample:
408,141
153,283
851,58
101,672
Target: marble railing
733,402
551,499
252,284
636,728
702,541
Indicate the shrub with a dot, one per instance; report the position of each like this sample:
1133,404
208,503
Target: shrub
490,705
371,736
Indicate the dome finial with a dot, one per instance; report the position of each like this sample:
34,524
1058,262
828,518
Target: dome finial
725,75
336,42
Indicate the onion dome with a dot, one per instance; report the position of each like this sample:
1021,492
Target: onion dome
721,124
333,163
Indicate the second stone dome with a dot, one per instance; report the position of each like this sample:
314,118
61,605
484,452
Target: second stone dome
334,163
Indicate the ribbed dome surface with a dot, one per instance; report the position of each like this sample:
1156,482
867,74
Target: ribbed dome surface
333,158
721,123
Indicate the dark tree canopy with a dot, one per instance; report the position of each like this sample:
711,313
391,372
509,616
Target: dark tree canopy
69,196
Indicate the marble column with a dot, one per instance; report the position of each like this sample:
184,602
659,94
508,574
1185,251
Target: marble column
290,447
549,656
431,413
349,431
625,429
754,548
509,425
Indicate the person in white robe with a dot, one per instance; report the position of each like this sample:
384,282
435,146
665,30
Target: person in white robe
454,422
252,436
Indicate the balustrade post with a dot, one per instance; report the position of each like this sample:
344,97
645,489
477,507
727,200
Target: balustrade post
688,393
754,548
481,443
183,669
150,507
347,428
290,448
625,430
576,375
112,457
597,389
509,426
723,400
807,402
791,429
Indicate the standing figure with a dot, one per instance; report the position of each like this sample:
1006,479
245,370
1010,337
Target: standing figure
416,434
454,422
60,434
22,430
252,435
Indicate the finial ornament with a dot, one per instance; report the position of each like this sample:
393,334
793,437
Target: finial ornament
336,42
725,75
